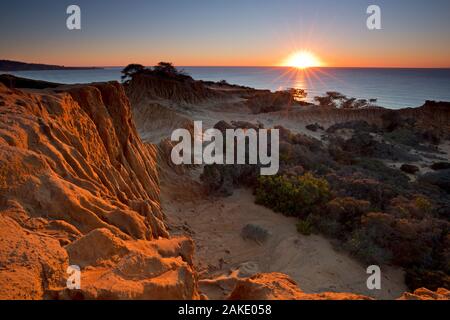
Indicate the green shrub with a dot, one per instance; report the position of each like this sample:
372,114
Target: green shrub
423,204
304,227
363,247
403,136
293,196
381,172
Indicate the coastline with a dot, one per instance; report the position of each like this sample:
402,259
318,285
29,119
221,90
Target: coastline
410,89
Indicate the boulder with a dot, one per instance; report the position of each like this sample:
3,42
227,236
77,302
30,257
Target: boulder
314,127
409,168
255,232
440,166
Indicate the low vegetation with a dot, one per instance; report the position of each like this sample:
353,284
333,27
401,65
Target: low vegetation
304,227
333,99
375,212
405,233
296,196
161,70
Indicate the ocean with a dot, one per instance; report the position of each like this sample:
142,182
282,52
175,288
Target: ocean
394,88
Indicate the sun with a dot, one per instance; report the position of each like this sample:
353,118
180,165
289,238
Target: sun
302,60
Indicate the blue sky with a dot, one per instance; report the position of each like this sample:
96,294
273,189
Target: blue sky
415,33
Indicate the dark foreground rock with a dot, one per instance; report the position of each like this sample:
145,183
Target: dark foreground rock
440,166
409,168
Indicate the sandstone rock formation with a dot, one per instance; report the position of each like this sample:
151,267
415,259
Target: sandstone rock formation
78,186
133,269
278,286
425,294
143,86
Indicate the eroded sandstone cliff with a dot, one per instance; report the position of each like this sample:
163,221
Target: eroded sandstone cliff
78,186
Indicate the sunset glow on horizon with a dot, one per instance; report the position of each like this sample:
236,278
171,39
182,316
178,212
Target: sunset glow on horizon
415,34
302,60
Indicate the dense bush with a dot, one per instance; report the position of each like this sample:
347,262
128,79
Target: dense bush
411,242
430,279
404,136
347,212
363,246
340,217
293,196
335,99
341,156
355,185
381,172
417,208
407,236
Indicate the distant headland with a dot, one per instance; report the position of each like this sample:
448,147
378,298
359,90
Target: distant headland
8,65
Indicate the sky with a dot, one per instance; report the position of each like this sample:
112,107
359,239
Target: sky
415,33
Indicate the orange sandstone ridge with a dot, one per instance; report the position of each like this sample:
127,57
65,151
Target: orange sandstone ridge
79,187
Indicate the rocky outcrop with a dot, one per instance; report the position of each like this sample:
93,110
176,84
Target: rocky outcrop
266,101
156,122
431,120
425,294
440,166
409,168
278,286
78,186
32,263
133,269
144,86
76,156
432,117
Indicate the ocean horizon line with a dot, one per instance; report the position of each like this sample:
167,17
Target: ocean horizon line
287,67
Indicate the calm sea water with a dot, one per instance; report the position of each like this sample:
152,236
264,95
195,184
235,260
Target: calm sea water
394,88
